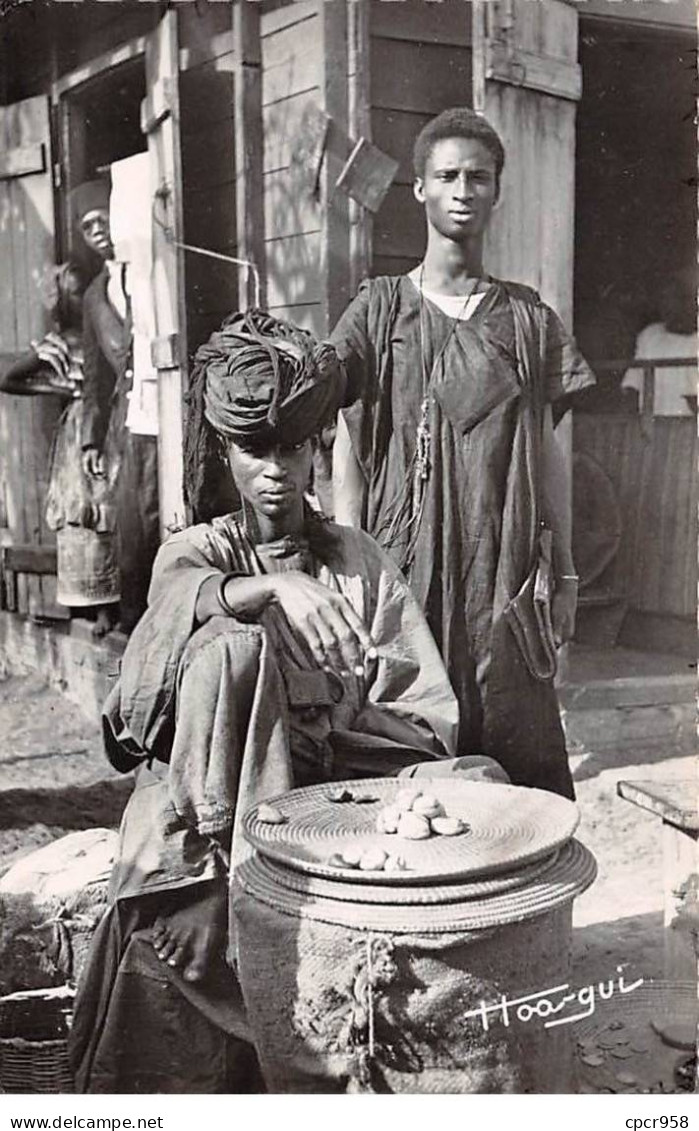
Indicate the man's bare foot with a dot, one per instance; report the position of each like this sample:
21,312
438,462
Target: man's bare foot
192,937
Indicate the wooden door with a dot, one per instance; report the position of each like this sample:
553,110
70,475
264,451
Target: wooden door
27,252
527,82
160,121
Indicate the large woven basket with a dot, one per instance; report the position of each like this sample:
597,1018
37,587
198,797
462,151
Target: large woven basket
33,1042
360,980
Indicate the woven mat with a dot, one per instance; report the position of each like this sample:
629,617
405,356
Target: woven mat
422,894
569,872
508,826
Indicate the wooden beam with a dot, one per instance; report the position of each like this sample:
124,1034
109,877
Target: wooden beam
249,151
22,160
28,558
129,50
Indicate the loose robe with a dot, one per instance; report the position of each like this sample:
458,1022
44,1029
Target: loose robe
487,380
215,718
107,382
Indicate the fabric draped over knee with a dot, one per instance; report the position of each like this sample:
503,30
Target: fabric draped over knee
232,728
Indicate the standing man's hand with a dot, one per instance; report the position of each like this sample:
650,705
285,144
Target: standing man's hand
54,351
563,607
93,463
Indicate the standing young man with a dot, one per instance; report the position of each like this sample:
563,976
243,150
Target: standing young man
109,375
445,453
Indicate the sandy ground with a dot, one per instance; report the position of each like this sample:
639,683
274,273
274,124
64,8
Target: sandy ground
54,779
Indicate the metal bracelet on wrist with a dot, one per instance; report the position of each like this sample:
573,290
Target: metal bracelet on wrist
221,594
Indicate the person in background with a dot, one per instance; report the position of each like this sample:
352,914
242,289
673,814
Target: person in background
445,453
108,381
78,508
674,335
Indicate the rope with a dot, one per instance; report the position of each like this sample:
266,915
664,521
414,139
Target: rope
247,263
250,267
370,995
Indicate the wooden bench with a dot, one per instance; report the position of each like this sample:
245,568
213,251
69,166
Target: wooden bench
675,804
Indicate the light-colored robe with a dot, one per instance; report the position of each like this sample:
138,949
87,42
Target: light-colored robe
215,718
301,724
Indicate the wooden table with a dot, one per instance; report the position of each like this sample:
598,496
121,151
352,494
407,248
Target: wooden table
676,803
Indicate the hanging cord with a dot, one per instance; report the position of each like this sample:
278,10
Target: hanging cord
250,267
370,997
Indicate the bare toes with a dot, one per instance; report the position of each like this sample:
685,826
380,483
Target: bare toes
177,958
165,947
195,970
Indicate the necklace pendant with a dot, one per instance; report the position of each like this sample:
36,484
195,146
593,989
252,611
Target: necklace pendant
423,442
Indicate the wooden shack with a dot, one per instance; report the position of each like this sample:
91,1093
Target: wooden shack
252,111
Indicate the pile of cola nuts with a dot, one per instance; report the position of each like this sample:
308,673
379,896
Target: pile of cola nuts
413,815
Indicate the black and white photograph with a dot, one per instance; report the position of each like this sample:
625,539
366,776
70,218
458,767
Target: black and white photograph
348,554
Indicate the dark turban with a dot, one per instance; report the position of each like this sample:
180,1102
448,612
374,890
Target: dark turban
258,382
88,197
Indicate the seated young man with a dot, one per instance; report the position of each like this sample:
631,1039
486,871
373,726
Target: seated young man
278,650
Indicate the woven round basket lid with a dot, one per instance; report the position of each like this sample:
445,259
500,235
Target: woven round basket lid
412,911
506,826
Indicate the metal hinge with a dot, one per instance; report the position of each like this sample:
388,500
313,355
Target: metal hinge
158,104
543,73
165,352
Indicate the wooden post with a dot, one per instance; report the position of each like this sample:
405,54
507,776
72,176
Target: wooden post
160,120
335,240
249,197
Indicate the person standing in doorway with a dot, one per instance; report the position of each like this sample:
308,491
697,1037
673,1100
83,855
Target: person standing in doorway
79,509
445,453
108,381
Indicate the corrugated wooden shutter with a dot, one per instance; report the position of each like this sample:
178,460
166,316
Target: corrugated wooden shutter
27,250
527,82
160,121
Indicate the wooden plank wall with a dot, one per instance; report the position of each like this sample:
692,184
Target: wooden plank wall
420,63
654,476
291,50
27,424
208,163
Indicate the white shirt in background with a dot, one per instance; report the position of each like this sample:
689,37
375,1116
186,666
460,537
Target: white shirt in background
672,384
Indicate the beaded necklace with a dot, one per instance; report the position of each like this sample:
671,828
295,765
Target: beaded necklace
423,436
